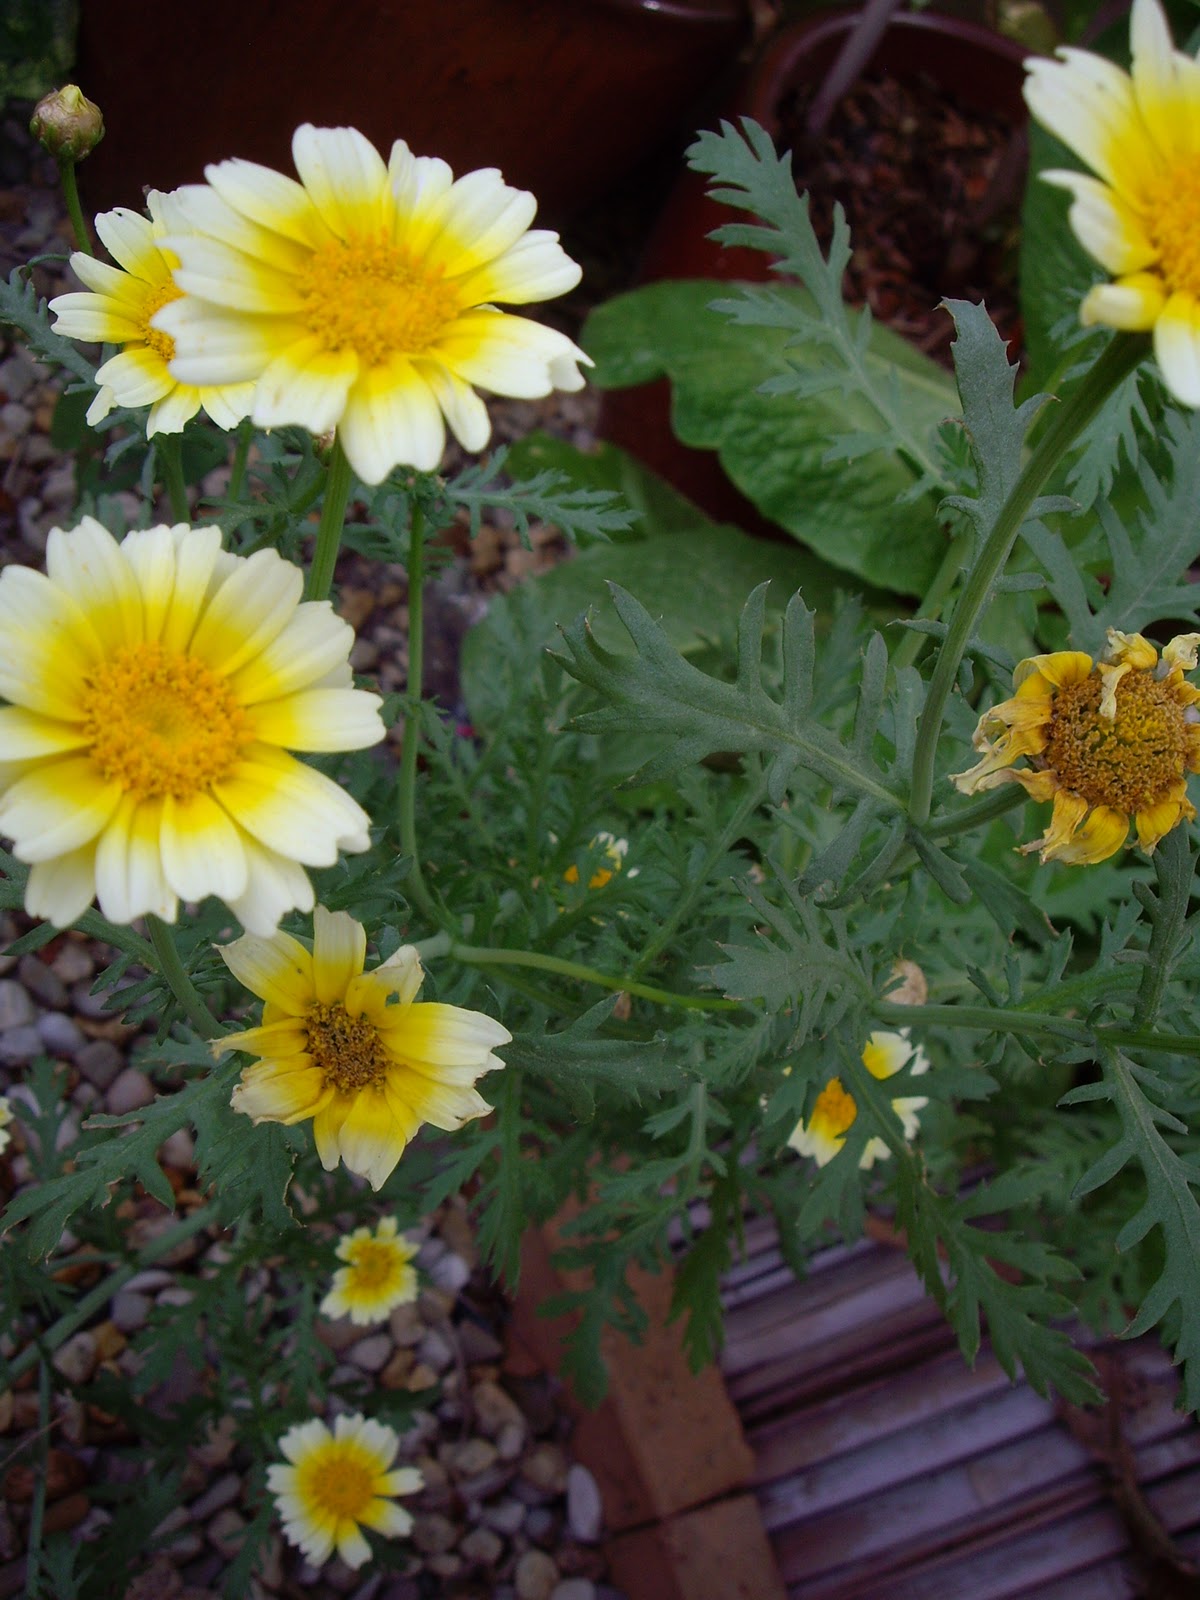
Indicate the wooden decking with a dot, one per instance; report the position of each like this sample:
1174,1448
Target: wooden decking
888,1470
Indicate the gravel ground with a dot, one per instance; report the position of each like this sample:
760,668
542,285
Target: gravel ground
505,1513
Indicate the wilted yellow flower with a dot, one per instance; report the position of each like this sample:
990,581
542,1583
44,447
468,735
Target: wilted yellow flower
157,686
339,1483
118,310
6,1117
1139,217
363,298
615,851
352,1049
380,1275
824,1132
1110,742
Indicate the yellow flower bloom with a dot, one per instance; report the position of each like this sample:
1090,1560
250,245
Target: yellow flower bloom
380,1275
156,687
336,1046
1110,742
615,851
118,310
6,1117
1139,217
824,1133
339,1483
361,297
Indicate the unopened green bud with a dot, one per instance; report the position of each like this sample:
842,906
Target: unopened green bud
67,124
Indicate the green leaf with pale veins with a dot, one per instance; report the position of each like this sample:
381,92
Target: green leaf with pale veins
579,1058
722,373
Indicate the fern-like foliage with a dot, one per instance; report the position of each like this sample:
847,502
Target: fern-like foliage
692,714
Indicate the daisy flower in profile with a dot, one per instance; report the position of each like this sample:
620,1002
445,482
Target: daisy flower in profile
362,297
1139,216
613,860
823,1134
156,687
379,1277
6,1117
117,308
353,1050
1110,742
336,1484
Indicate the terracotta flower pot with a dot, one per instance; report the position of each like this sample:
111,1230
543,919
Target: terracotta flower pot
979,68
562,95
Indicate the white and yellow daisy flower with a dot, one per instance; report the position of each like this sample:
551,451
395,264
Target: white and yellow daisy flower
156,687
338,1483
615,850
824,1132
117,309
6,1117
362,297
379,1277
354,1050
1139,216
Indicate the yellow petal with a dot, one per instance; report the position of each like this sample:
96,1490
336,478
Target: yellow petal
339,950
278,969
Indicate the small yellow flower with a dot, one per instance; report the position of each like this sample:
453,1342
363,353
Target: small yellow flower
1139,217
118,310
364,298
379,1278
156,688
339,1483
6,1117
354,1050
615,851
1110,742
824,1133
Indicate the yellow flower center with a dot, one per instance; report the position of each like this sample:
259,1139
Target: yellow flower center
161,343
1173,221
364,294
373,1264
347,1049
835,1110
341,1484
1129,761
160,723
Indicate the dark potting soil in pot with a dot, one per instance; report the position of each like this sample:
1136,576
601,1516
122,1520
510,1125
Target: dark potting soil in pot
931,191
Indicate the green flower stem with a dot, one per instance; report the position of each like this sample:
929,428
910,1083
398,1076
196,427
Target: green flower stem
936,595
478,956
1118,360
86,1307
338,483
975,813
415,885
181,986
170,457
991,1019
70,187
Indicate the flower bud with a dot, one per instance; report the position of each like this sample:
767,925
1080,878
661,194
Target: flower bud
67,124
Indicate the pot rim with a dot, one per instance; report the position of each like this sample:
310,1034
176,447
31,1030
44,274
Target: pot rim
783,61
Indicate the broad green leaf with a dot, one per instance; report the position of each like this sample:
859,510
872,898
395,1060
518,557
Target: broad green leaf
775,447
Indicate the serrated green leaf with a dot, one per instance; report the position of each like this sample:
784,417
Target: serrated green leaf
578,1058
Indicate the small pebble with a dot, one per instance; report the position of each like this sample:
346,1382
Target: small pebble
76,1358
222,1493
20,1046
406,1326
585,1512
494,1409
482,1546
72,963
337,1333
477,1344
226,1531
506,1517
546,1468
574,1589
471,1458
510,1441
543,1526
43,983
449,1272
432,1533
59,1035
99,1061
130,1091
535,1576
130,1309
435,1350
372,1354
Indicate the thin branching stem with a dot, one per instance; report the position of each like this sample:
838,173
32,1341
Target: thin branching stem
174,975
